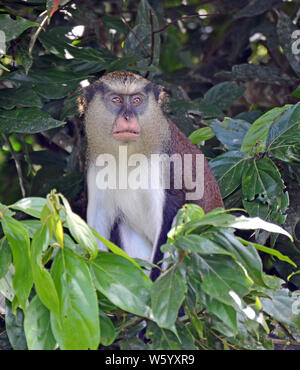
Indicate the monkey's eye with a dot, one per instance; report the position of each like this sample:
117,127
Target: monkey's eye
116,99
136,100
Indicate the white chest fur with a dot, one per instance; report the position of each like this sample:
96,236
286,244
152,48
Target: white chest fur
138,211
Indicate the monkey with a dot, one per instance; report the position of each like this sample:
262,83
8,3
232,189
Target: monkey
123,116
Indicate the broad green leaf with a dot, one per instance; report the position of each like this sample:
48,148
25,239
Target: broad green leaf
18,239
281,305
122,283
230,132
246,256
6,284
27,121
224,94
164,339
255,8
223,311
37,326
5,257
255,139
115,249
24,97
108,331
115,23
167,295
254,223
77,326
268,250
221,277
14,327
218,217
199,244
32,206
262,179
80,231
296,93
123,63
228,169
283,141
56,90
202,134
43,281
14,27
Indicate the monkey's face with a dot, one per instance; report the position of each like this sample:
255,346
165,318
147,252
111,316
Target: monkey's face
123,109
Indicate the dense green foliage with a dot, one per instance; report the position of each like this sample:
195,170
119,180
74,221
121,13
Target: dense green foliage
231,69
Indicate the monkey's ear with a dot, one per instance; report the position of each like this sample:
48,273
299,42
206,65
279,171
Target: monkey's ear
86,95
81,104
159,93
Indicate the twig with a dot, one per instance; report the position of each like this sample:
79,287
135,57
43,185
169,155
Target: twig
134,34
284,342
152,42
35,36
183,18
18,165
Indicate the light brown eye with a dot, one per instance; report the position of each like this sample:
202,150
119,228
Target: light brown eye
116,99
137,100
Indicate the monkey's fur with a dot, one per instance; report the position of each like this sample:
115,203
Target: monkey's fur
121,215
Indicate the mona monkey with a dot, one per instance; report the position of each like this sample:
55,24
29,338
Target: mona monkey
124,110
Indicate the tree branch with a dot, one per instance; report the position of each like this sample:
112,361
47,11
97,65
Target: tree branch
184,18
134,34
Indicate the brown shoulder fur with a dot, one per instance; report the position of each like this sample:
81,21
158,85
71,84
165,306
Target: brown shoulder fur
181,144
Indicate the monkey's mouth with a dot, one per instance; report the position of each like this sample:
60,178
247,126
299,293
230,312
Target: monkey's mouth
128,135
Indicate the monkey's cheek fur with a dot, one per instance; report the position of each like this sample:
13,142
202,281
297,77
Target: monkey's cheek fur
126,136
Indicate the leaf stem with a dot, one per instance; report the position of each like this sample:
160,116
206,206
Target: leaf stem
17,163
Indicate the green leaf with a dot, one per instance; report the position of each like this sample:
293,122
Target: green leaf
262,179
27,121
77,326
246,256
257,134
80,231
280,306
5,257
115,249
283,141
14,27
230,132
228,169
167,295
224,94
37,326
6,284
163,339
296,93
223,311
256,7
14,327
32,206
108,331
199,244
122,283
221,277
24,96
248,223
202,134
43,281
18,239
271,251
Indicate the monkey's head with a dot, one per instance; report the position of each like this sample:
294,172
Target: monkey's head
123,108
